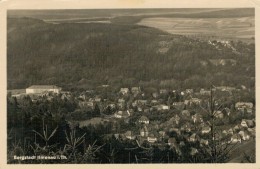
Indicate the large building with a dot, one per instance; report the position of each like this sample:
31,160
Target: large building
42,88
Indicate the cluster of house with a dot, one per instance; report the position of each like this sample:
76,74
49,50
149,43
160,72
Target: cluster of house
140,102
222,43
197,132
160,105
124,107
188,95
193,130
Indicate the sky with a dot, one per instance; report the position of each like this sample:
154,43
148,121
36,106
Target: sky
96,4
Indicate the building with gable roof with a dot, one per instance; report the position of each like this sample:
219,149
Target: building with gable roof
144,119
36,89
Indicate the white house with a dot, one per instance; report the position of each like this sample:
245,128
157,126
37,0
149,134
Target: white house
244,135
141,102
122,114
195,101
189,91
193,138
163,107
244,123
197,118
235,139
218,114
124,91
245,106
144,119
130,135
247,123
151,138
135,90
204,142
242,105
36,89
178,104
205,130
205,92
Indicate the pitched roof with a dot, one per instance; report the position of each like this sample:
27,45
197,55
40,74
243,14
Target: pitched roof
143,118
194,151
244,104
116,136
119,112
43,87
204,141
135,89
194,135
124,89
129,133
206,128
151,135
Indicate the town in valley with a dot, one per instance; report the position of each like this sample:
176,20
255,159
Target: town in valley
131,86
165,118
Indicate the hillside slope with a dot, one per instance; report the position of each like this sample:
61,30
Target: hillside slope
84,55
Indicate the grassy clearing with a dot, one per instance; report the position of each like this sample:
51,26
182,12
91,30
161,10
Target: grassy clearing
225,27
93,121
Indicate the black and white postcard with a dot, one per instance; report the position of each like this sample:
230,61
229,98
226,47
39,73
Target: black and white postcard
129,82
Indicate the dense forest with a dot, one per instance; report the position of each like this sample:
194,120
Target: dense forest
84,55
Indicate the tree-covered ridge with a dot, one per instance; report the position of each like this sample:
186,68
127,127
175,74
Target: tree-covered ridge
84,55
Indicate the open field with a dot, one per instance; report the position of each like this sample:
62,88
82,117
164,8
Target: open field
93,121
78,20
237,154
223,27
94,13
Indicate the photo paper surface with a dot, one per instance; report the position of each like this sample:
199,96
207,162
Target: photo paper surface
130,85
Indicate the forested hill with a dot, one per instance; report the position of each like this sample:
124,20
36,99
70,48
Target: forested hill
88,54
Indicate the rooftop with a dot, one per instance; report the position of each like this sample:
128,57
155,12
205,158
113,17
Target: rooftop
143,118
43,87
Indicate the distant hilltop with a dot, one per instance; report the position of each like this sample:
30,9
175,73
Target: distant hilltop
84,55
